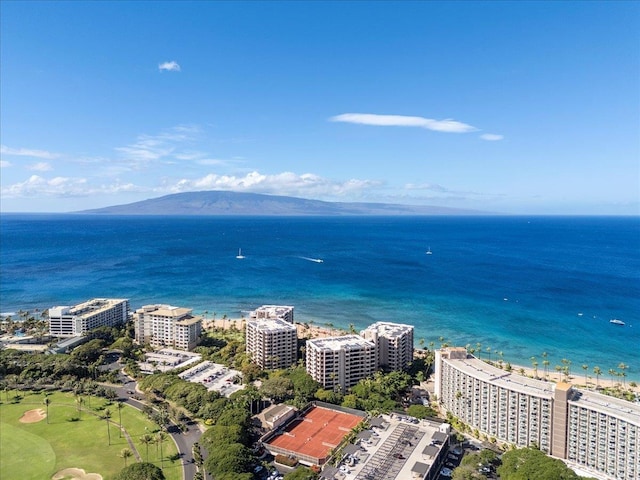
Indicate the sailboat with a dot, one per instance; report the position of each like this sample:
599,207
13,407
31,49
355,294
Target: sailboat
240,256
429,252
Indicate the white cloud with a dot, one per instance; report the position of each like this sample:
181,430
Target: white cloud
5,164
40,167
39,186
169,66
447,125
27,152
285,183
492,137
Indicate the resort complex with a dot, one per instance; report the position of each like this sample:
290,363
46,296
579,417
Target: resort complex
100,312
589,430
595,434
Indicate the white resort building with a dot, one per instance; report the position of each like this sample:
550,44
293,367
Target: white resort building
394,344
342,361
67,321
167,326
591,431
273,311
271,342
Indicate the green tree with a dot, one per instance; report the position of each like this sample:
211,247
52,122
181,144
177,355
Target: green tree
140,471
301,473
46,403
228,458
107,415
146,440
533,464
277,389
597,371
125,454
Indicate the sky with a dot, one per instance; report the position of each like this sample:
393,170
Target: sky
507,107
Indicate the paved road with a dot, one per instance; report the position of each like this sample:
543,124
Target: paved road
184,441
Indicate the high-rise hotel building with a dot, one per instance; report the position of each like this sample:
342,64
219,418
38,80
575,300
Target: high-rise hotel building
394,344
271,342
342,361
167,326
589,430
67,321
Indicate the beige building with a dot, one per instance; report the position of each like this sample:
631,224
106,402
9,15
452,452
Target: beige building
594,432
342,361
394,344
167,326
67,321
271,342
283,312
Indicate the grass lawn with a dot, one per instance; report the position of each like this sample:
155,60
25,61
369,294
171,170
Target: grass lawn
39,450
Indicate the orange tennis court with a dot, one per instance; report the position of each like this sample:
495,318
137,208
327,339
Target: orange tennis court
313,436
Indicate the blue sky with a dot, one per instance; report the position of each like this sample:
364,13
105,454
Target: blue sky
514,107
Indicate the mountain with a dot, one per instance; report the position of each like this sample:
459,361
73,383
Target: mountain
235,203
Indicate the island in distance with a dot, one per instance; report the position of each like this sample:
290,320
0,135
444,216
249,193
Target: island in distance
237,203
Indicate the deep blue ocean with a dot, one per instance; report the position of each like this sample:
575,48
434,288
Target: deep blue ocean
520,285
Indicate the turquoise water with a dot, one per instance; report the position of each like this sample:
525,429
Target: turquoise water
520,285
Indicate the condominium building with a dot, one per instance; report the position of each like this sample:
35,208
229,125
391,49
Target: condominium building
273,311
394,344
340,361
598,433
65,321
167,326
271,342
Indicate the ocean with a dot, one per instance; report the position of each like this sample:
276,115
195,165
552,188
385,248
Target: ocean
516,285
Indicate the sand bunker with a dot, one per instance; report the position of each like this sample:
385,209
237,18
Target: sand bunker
33,416
76,474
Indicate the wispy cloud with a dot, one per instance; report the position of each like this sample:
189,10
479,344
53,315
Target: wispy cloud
40,167
150,148
172,66
447,125
38,186
491,137
28,152
5,164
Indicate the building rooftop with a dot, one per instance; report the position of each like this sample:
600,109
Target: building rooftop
339,343
189,320
90,307
271,311
164,311
389,329
501,378
271,325
616,407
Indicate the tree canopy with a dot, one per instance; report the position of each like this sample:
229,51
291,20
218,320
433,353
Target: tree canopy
140,471
532,464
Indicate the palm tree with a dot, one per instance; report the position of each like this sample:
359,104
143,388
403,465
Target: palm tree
623,367
79,401
534,362
125,453
146,439
107,415
585,367
597,372
120,406
160,438
545,362
612,372
46,403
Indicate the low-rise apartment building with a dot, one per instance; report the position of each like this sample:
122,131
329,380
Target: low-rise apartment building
596,432
271,342
340,361
65,321
167,326
394,344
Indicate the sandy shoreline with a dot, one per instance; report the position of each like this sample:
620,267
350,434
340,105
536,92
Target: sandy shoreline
577,378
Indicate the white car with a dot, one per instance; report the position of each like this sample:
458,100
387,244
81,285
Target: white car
446,472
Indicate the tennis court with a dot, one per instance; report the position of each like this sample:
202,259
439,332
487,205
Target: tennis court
313,436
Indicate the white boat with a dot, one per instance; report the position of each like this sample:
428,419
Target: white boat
240,256
615,321
429,252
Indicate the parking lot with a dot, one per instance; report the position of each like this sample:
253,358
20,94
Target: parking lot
214,376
